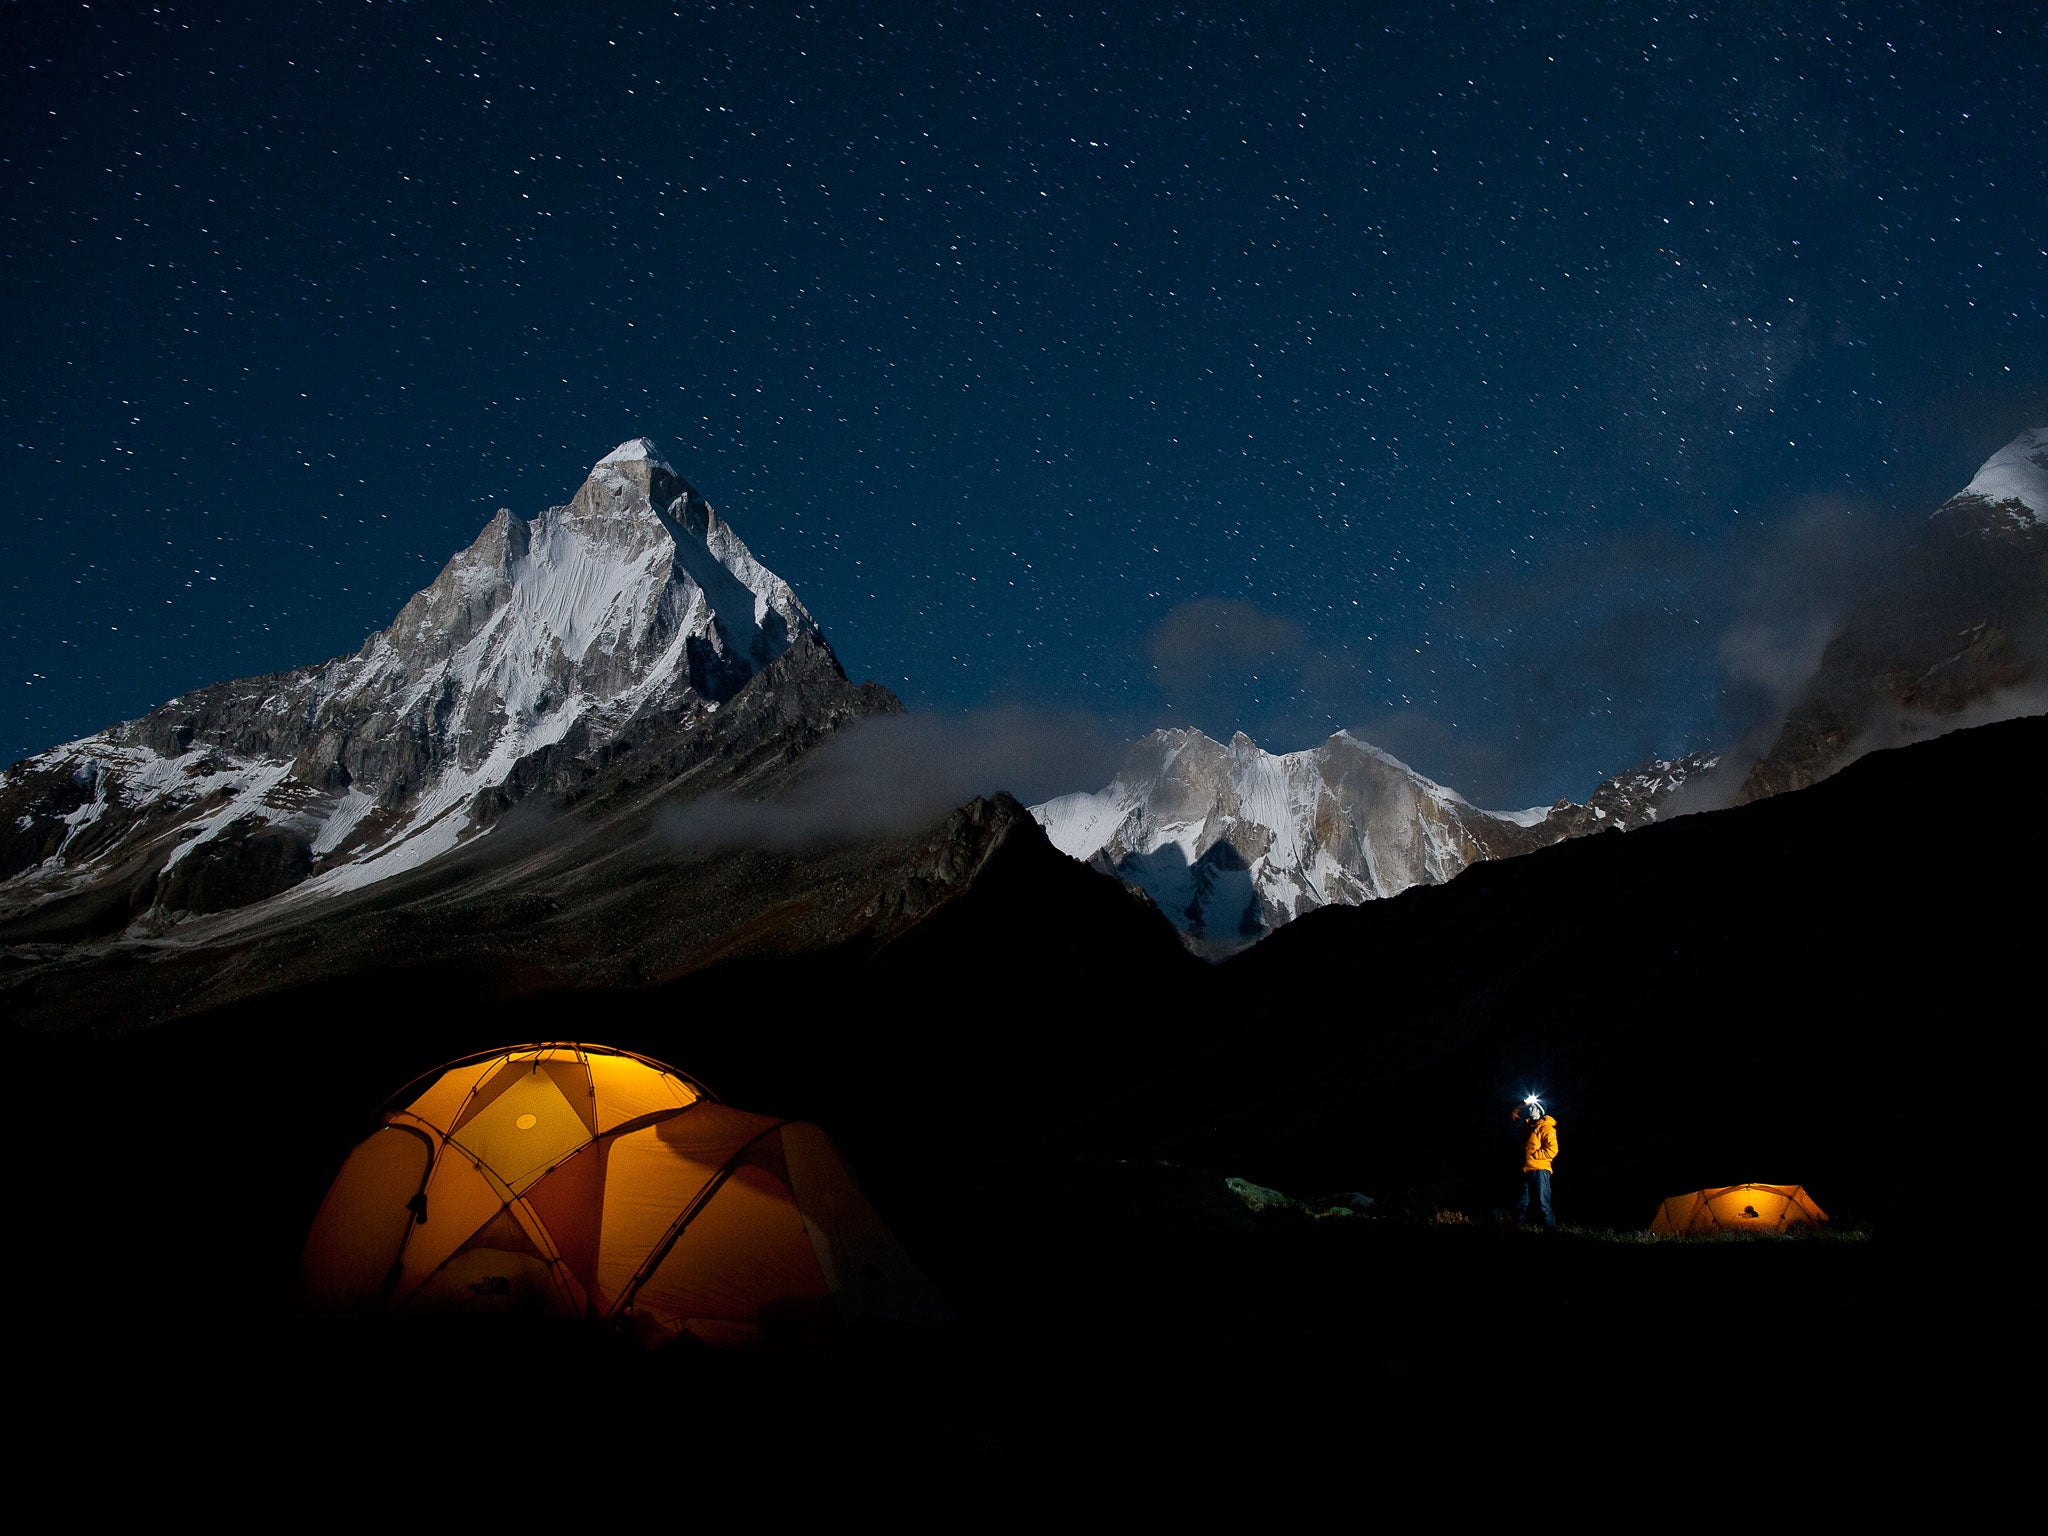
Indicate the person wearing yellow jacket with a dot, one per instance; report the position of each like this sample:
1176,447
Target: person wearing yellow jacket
1538,1153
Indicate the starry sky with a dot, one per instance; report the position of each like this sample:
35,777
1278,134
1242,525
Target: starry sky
1497,381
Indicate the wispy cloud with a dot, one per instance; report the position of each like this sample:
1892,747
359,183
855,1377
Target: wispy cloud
896,773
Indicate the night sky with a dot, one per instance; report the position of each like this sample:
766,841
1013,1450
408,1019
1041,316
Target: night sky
1517,385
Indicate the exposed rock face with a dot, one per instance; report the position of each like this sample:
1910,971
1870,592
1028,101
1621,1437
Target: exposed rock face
1232,841
545,654
1631,799
1957,634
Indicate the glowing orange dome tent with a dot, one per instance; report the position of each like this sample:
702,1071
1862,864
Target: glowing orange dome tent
1738,1208
581,1181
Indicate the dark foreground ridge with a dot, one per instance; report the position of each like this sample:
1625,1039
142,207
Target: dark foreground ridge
1043,1094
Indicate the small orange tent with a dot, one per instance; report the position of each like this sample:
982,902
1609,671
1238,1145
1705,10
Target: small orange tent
1738,1208
581,1181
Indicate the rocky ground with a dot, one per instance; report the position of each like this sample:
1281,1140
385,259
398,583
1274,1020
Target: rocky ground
1173,1362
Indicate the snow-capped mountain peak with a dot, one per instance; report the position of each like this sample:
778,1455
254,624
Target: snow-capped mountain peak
548,634
2012,483
633,476
636,450
1232,841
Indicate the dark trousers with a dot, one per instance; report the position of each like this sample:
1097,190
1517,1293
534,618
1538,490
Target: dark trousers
1536,1191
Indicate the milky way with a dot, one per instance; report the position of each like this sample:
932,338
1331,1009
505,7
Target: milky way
1460,378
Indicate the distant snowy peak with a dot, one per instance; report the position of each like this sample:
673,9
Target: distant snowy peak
632,601
2012,485
1232,841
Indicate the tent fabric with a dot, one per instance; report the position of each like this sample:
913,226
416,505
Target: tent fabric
580,1181
1738,1208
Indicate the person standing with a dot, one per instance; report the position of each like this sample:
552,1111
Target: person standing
1538,1153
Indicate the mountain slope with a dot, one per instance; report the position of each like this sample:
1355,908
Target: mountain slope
633,611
